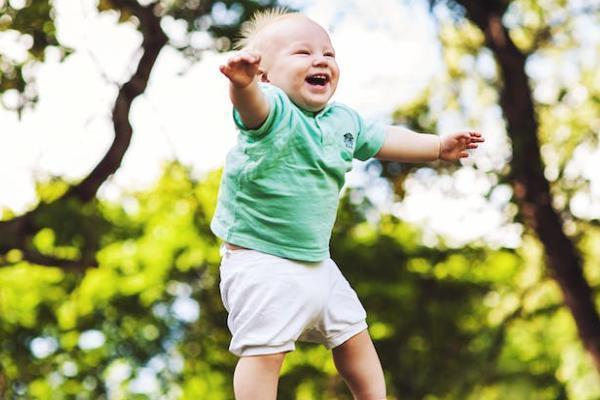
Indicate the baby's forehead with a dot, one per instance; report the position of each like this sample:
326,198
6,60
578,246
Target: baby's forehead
291,29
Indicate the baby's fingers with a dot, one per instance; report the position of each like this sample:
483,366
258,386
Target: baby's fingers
250,58
476,137
461,139
243,58
225,70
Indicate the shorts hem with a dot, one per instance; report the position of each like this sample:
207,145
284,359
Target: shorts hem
263,350
343,336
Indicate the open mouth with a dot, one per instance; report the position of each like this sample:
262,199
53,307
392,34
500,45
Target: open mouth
317,79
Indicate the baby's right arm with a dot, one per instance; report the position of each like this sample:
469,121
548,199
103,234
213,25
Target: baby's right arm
242,71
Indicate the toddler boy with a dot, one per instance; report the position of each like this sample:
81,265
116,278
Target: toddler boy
278,201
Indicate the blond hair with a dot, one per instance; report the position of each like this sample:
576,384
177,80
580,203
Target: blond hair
259,21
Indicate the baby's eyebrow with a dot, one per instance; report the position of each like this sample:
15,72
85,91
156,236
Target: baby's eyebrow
303,45
300,44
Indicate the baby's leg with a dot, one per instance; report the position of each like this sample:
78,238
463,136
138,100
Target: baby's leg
256,377
357,361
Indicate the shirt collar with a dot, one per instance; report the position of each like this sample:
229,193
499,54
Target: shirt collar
313,114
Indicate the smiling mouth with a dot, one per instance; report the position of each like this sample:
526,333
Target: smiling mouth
317,79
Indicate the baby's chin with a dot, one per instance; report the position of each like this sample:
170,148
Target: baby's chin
312,105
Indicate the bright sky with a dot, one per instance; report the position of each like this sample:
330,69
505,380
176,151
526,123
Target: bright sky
387,52
185,112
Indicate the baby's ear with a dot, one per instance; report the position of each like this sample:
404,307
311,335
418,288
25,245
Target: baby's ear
263,75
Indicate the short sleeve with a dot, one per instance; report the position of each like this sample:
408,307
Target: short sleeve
369,141
279,112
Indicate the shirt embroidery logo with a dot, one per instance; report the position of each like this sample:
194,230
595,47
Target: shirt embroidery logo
348,140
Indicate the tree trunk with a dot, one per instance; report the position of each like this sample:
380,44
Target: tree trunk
3,384
530,186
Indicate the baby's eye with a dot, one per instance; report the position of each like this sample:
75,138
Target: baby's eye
329,54
303,52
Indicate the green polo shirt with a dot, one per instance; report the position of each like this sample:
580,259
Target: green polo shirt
281,184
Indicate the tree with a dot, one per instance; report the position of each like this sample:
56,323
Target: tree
34,21
515,33
532,190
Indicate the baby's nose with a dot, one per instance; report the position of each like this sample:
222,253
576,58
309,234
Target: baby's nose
320,61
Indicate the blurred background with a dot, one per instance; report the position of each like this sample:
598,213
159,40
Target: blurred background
481,279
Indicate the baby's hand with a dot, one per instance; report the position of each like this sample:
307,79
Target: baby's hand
454,146
241,69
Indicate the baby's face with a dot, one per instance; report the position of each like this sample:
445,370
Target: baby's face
298,57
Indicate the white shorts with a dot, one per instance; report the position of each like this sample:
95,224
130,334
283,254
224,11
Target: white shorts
273,302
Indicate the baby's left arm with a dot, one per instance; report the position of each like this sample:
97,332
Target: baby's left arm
402,144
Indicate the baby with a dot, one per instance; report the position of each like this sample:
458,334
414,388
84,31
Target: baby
278,200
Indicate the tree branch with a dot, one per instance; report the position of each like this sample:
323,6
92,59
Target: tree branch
543,36
153,41
17,232
35,257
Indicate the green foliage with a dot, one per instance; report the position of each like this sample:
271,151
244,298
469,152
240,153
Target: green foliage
152,256
33,28
448,323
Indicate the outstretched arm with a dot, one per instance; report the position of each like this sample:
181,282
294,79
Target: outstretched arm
242,70
402,144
